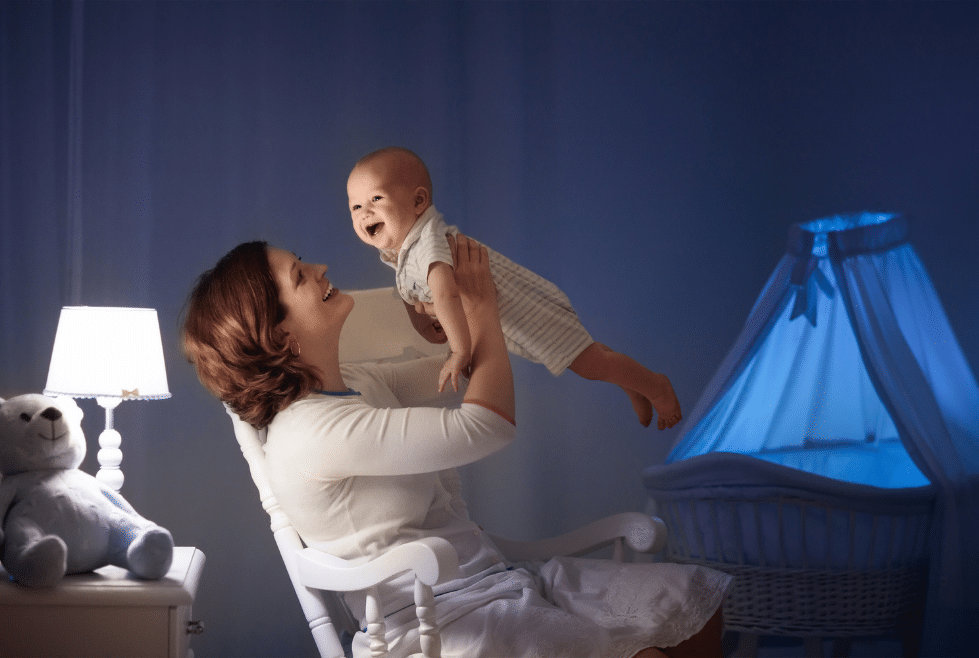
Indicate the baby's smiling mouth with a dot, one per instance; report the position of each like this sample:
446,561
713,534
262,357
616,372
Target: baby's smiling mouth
372,229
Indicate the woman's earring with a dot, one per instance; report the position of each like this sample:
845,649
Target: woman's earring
299,349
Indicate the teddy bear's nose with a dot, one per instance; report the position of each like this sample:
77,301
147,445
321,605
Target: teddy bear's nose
51,414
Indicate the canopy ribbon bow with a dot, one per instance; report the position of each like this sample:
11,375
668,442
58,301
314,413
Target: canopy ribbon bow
130,394
807,279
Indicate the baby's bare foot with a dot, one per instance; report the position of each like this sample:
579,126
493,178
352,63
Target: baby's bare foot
642,406
665,402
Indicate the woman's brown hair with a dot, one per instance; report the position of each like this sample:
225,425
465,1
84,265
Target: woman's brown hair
231,335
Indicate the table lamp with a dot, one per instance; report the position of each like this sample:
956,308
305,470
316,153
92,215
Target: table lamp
110,354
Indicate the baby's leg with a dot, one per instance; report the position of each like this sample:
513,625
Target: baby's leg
646,389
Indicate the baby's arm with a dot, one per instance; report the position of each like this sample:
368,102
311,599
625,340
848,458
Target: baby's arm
448,310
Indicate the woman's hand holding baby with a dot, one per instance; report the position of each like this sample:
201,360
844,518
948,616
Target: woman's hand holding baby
471,284
472,273
491,381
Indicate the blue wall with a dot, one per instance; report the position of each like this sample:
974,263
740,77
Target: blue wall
647,157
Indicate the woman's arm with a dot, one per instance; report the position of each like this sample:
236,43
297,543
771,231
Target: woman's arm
348,437
490,379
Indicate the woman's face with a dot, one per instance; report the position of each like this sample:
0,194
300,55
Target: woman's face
315,310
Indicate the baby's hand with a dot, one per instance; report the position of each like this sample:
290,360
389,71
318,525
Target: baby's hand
454,365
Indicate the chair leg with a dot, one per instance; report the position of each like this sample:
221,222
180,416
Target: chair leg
375,624
428,632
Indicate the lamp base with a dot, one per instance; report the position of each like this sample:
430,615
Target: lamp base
110,456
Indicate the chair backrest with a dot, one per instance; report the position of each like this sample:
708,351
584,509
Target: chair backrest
377,329
325,612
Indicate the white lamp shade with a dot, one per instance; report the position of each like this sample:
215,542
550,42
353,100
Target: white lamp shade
106,352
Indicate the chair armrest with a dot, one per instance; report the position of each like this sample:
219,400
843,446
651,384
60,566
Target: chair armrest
641,533
431,559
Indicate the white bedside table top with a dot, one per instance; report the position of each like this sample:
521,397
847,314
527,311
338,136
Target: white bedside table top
115,586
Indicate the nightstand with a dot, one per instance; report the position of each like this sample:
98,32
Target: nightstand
107,613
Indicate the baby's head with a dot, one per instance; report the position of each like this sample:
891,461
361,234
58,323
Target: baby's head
387,191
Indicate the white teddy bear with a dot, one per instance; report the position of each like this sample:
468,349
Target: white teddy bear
56,519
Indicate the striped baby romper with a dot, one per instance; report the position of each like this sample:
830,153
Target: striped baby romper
539,323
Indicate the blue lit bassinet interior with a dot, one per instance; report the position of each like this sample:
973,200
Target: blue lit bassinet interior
804,397
847,381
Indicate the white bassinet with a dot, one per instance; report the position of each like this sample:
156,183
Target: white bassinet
813,557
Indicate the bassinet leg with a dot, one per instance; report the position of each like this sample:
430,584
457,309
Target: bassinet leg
842,647
814,646
747,645
911,640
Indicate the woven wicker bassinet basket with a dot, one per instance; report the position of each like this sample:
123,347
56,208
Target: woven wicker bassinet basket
807,562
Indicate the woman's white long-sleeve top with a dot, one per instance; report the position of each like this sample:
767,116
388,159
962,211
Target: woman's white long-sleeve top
359,474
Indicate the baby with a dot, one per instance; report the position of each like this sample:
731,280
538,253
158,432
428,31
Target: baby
390,198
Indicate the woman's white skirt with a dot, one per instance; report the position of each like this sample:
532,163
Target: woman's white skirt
565,608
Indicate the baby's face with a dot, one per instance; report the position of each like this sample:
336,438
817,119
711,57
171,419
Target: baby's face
382,208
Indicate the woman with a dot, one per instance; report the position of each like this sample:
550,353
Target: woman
360,465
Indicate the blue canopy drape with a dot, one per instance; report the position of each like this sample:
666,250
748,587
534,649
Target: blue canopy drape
847,367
